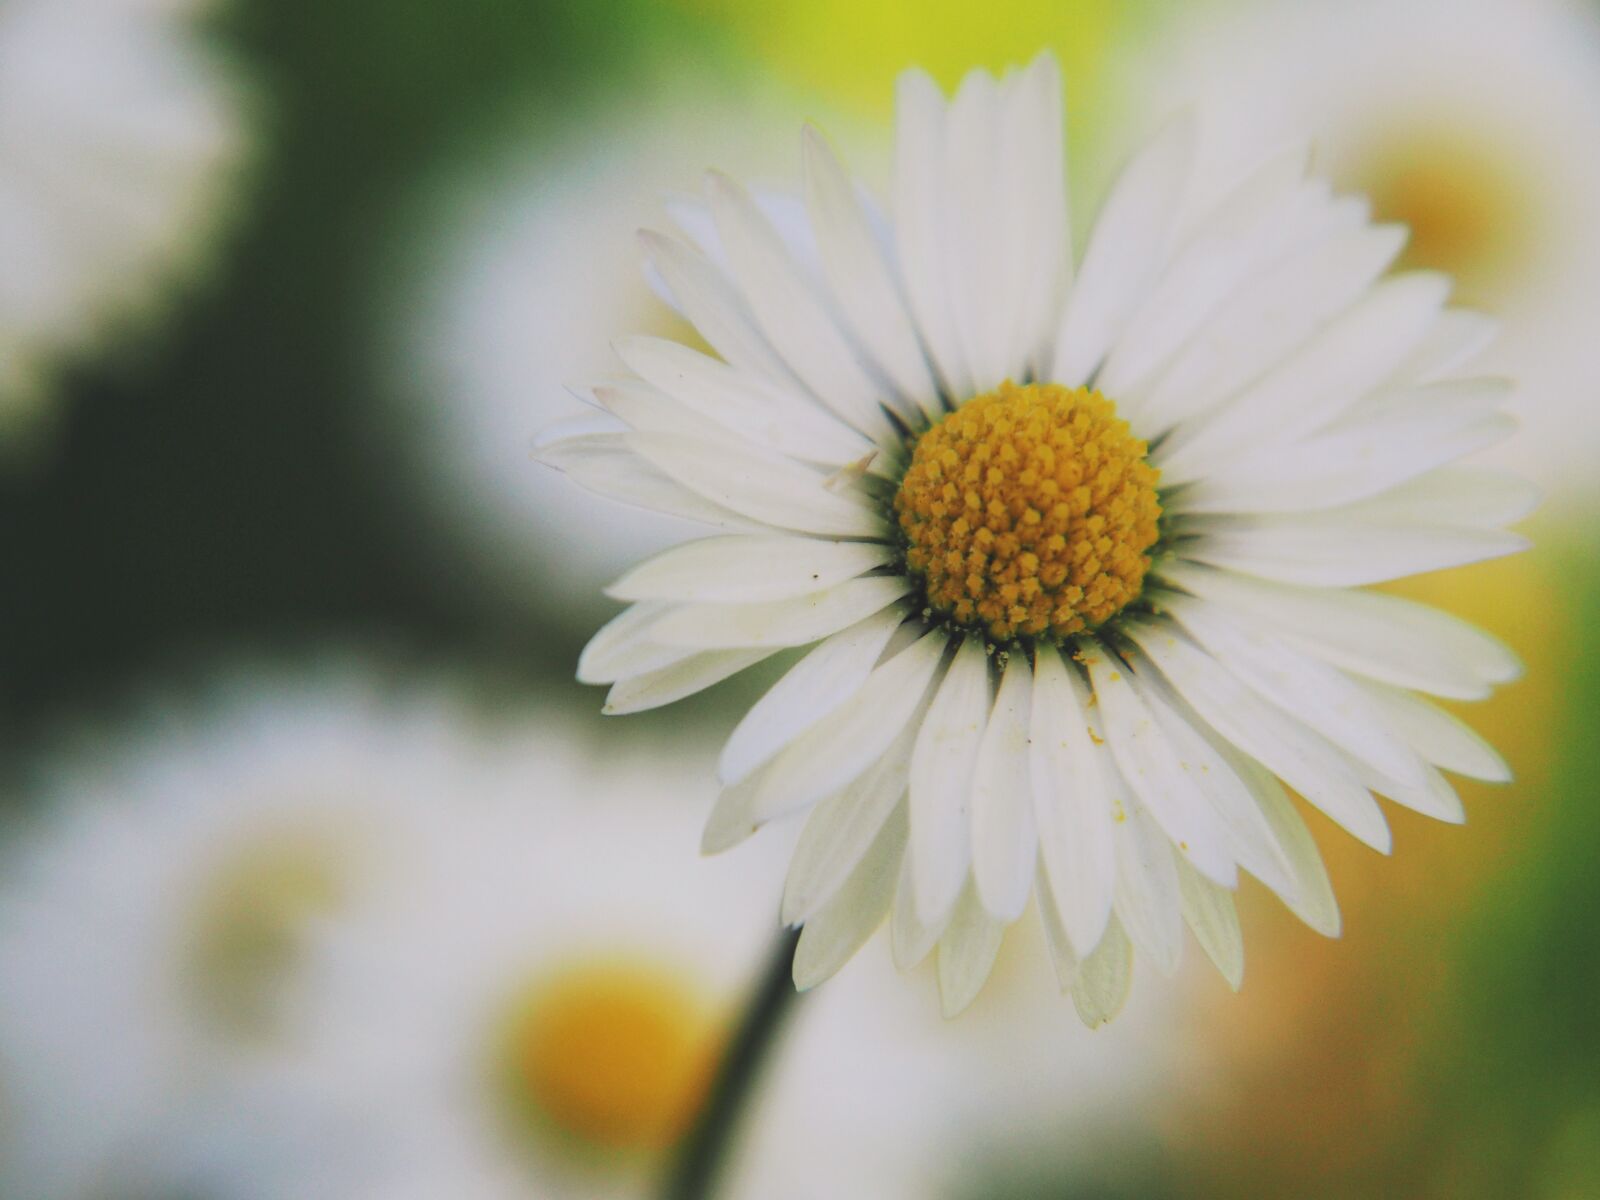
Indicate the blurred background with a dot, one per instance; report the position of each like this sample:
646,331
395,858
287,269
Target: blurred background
321,877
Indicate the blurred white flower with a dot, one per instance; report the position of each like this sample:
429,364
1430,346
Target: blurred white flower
154,914
120,139
1474,122
535,1016
516,295
539,1012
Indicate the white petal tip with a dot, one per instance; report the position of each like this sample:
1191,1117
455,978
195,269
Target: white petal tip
1003,901
933,911
654,242
719,837
721,186
805,980
914,83
1092,1017
951,1009
1329,925
1046,59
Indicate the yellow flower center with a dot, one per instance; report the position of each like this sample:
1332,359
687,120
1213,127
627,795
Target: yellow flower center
1464,207
1030,511
247,931
613,1055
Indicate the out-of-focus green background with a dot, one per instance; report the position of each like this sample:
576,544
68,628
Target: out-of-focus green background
241,482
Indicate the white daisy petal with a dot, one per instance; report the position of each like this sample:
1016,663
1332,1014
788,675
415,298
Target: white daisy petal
761,485
793,622
570,437
1247,835
602,463
1298,756
1344,361
920,223
1331,550
1062,955
733,817
1455,339
943,765
1386,638
1147,901
1434,797
1032,156
791,314
840,830
910,938
619,643
1438,736
760,409
783,211
1430,403
1160,780
1352,461
862,279
850,739
815,686
832,936
1263,321
1125,253
1005,841
1104,977
1243,230
638,693
1073,778
738,570
1312,898
718,313
645,409
1209,911
1475,496
976,259
967,951
1321,697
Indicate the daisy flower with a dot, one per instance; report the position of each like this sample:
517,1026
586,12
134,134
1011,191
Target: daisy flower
1498,185
1080,544
120,137
155,913
522,1017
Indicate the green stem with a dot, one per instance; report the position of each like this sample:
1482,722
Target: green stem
705,1150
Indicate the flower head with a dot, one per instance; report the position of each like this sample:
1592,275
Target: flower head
1080,544
121,137
519,1017
154,922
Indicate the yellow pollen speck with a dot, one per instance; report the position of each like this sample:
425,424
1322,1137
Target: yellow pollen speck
1030,511
615,1055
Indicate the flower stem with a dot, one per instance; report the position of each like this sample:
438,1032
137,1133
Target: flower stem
705,1148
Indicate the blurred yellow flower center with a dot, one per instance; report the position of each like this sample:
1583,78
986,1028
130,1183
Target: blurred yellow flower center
1030,511
250,922
1462,204
616,1055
